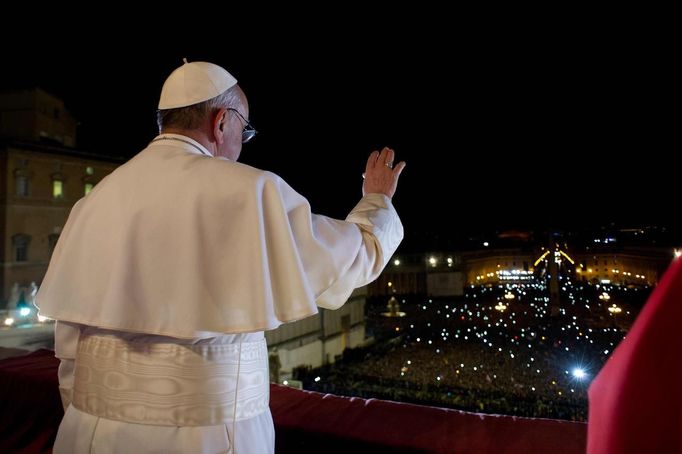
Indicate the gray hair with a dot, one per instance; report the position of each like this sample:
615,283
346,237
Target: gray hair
190,117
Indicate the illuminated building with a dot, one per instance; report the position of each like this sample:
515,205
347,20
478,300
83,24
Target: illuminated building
42,176
623,266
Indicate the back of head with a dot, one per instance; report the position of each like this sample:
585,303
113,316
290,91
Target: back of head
191,91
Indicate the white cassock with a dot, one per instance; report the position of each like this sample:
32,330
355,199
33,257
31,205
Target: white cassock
163,281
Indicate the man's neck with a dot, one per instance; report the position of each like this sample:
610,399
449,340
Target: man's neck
193,134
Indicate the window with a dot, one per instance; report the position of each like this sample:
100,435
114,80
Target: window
21,254
22,185
57,189
22,176
20,243
88,180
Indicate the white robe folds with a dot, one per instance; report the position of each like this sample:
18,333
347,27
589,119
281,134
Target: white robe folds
178,245
174,243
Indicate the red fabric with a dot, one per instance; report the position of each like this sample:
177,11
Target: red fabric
30,412
30,406
309,421
635,400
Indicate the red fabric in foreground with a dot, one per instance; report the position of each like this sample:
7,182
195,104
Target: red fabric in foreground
30,412
635,400
309,421
30,406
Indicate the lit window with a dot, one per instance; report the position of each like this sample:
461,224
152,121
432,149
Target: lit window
57,189
88,188
89,171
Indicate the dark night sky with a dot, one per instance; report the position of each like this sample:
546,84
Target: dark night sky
498,131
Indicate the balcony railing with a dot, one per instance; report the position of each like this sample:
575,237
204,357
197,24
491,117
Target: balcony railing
30,412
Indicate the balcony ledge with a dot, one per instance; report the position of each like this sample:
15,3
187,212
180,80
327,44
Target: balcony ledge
305,421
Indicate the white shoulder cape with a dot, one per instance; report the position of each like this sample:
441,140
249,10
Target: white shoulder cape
175,243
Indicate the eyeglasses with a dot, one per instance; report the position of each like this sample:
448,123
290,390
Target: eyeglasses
249,132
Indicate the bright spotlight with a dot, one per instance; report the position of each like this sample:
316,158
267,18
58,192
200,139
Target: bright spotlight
579,373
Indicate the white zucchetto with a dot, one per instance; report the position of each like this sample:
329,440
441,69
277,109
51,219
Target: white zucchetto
193,83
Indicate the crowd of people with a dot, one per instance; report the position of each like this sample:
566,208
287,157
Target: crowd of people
471,356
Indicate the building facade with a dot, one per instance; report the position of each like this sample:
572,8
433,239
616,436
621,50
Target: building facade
627,266
41,178
320,339
493,266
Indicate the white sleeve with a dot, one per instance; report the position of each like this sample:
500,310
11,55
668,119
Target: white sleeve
66,336
381,232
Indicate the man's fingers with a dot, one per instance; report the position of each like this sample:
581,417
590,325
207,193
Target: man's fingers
372,159
384,156
397,170
390,156
380,175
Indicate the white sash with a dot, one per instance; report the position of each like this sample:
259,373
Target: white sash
171,384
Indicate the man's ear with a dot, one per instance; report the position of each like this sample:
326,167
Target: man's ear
218,125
